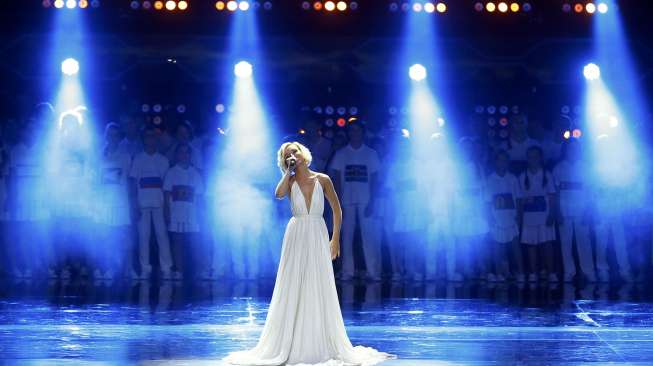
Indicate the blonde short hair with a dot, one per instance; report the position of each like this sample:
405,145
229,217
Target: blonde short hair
281,159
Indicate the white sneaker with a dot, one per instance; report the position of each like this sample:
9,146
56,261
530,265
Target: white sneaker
491,277
532,277
519,277
553,277
604,276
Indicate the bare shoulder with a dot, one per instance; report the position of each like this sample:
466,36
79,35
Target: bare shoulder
323,178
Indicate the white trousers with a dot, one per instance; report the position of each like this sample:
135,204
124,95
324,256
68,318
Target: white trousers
603,230
574,227
154,216
370,235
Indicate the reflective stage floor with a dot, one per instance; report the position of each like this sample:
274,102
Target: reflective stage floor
169,323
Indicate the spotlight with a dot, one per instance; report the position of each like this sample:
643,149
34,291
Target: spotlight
157,108
613,121
219,108
342,6
95,4
243,69
490,7
576,133
232,6
566,135
329,6
417,7
405,7
171,5
306,5
417,72
602,8
590,8
429,7
503,121
353,5
566,8
527,7
441,7
147,5
158,5
71,4
267,5
83,4
70,66
135,5
479,7
503,7
341,122
243,5
514,7
183,5
591,71
317,5
58,4
393,7
578,8
220,5
46,3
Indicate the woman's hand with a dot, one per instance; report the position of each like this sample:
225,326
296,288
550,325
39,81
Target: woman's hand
335,248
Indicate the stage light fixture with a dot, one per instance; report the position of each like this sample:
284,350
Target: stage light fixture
491,7
243,69
342,6
58,4
135,5
527,7
417,7
147,5
503,7
566,8
158,5
232,5
578,8
317,5
393,7
479,7
417,72
576,133
566,135
267,5
95,4
429,7
591,71
590,8
83,4
602,8
514,7
441,7
70,66
46,3
306,5
171,5
182,5
329,6
353,5
220,5
341,122
71,4
405,7
243,5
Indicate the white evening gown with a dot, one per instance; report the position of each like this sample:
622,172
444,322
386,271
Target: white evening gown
304,324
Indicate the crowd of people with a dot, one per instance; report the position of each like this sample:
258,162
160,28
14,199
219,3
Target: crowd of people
522,208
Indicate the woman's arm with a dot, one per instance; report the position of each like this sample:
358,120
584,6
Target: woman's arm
332,197
283,187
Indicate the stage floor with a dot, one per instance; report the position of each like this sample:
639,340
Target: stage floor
144,323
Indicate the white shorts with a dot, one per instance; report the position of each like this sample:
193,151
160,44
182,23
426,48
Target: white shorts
534,235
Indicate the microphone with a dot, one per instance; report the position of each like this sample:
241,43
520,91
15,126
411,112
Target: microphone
291,165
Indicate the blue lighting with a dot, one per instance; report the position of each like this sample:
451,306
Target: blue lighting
70,66
591,71
243,69
417,72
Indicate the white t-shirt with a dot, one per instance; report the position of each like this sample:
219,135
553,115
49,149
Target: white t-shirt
27,173
570,181
535,198
356,167
149,171
184,186
112,189
502,193
195,155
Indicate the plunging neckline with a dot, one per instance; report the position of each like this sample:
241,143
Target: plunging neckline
308,207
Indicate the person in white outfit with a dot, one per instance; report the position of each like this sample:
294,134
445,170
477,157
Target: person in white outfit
183,187
501,196
537,206
112,208
147,172
573,222
355,172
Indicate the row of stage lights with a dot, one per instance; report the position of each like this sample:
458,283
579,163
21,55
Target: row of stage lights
70,4
330,5
503,7
169,5
589,8
427,7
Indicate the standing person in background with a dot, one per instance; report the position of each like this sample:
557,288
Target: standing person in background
183,187
437,188
131,144
574,215
112,209
518,143
320,147
501,195
147,173
355,170
184,134
469,223
537,208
